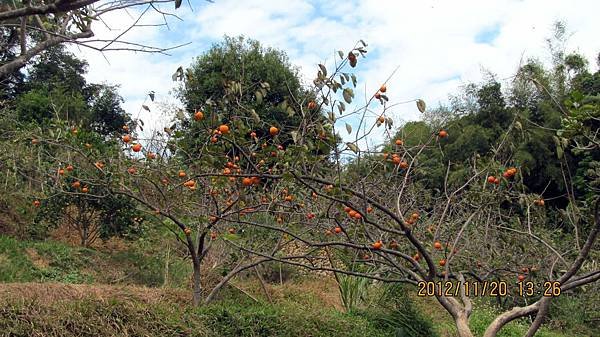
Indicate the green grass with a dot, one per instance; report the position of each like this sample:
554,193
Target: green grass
14,264
228,318
297,313
483,315
58,262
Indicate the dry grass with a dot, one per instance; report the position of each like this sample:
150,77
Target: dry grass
48,293
35,258
66,234
324,289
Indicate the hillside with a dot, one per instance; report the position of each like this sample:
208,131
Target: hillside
303,306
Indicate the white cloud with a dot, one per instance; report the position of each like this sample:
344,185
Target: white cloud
432,42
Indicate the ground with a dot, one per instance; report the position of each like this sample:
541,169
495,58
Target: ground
54,288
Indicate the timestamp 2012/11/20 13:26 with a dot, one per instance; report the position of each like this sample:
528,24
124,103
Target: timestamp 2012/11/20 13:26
487,288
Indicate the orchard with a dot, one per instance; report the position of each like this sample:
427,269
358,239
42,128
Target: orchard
258,166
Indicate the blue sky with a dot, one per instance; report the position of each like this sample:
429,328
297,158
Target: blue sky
487,35
436,45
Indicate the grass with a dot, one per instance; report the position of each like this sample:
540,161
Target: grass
52,261
233,316
79,305
483,315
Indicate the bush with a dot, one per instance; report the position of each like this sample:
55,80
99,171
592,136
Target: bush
400,314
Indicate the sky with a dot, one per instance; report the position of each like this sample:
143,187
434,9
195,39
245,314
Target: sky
436,45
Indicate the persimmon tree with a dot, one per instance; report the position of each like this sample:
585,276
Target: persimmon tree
354,210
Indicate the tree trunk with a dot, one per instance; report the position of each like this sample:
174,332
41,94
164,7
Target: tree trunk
213,293
462,325
197,295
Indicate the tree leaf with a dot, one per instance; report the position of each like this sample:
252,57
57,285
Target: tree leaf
421,105
349,128
178,74
255,115
353,147
348,95
331,116
341,54
151,94
146,107
178,3
559,152
294,136
259,96
290,111
363,43
341,107
323,70
353,80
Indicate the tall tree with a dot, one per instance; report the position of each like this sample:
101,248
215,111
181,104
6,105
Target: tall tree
256,87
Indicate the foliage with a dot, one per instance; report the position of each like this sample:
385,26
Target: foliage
461,201
239,82
353,290
91,217
55,87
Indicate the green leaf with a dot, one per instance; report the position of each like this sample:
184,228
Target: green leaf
518,125
421,105
259,96
559,152
354,80
556,141
290,111
231,237
255,115
287,176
